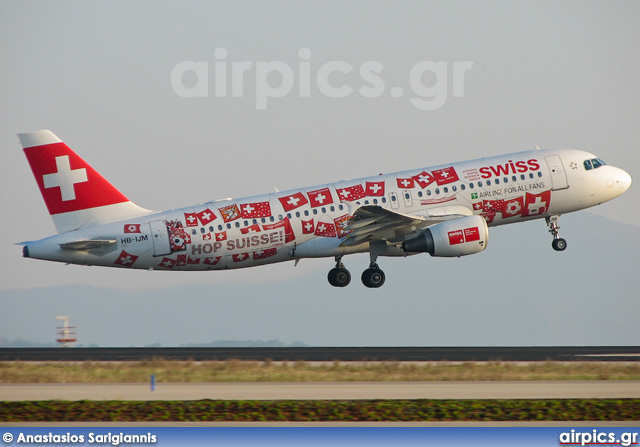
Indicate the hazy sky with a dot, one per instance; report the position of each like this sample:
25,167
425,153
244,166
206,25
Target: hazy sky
555,74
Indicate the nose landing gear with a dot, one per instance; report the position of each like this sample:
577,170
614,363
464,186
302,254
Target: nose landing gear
558,243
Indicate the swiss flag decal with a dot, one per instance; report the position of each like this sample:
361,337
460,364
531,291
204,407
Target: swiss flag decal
125,259
263,254
293,201
445,176
320,197
536,204
251,229
132,228
254,210
191,219
350,193
239,257
326,229
206,216
375,189
405,183
308,226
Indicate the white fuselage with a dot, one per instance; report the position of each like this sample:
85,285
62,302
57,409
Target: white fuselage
311,222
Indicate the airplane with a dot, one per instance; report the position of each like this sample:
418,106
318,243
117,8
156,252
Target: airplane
443,210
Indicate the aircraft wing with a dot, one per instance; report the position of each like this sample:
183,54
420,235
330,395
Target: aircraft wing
372,222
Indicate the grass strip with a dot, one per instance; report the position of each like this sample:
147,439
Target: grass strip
249,371
324,410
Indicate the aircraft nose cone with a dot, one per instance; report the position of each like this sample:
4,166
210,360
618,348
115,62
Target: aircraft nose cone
624,180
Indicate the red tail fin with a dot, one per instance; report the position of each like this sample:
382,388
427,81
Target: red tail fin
75,194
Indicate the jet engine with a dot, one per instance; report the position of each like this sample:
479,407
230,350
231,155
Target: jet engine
457,237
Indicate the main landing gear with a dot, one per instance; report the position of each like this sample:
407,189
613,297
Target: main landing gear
558,243
372,277
339,276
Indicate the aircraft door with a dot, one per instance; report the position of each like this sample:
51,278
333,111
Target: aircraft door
408,200
393,199
160,237
558,175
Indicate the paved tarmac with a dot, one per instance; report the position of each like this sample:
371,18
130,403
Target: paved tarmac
325,390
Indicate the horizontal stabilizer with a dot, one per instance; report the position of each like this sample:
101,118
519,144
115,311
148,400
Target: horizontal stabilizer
88,244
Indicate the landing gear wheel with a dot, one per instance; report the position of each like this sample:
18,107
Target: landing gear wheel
339,277
559,244
373,277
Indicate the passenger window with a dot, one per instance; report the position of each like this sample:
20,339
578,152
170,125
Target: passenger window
288,215
471,185
497,181
297,213
506,179
384,200
228,226
462,187
324,210
539,174
220,227
210,229
280,217
375,201
479,184
445,190
531,175
420,194
306,212
428,192
437,191
263,220
522,177
393,198
514,178
332,208
202,230
315,211
194,232
406,196
237,224
454,188
488,182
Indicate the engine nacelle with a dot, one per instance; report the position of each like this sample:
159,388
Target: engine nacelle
457,237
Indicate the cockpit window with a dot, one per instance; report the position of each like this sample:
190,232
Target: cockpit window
587,165
597,163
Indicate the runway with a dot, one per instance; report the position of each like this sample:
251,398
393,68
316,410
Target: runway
329,354
325,390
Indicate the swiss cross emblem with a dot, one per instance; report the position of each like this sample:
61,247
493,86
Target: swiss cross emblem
65,178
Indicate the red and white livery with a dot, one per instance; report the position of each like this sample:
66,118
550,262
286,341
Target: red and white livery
441,210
